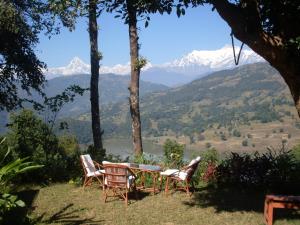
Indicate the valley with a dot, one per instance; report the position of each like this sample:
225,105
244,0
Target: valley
248,108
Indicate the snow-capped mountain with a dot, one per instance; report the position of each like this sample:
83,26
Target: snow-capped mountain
202,62
192,65
76,66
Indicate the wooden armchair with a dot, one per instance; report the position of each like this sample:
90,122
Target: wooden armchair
119,180
91,170
183,177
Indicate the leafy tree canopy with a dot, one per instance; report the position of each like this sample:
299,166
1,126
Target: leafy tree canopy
20,24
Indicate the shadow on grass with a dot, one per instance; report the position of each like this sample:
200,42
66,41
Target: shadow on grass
228,199
133,197
67,217
18,215
234,199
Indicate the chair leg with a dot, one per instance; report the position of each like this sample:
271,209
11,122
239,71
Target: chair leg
161,182
126,197
86,181
167,186
187,188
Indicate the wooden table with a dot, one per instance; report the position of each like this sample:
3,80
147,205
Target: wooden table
141,171
279,201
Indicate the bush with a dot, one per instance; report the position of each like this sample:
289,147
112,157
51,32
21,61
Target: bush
236,133
276,171
209,160
207,144
8,172
96,154
30,137
245,143
173,153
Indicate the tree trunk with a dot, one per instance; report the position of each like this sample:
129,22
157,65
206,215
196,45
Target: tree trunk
246,26
94,57
135,80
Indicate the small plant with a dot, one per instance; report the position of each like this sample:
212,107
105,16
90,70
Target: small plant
236,133
209,175
223,137
208,145
173,153
7,173
209,161
245,143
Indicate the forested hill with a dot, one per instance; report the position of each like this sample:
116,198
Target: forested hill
250,93
113,88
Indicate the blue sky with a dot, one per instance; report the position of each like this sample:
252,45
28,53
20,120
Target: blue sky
165,39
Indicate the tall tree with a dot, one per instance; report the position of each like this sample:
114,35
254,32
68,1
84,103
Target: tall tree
130,11
95,57
270,28
134,87
20,24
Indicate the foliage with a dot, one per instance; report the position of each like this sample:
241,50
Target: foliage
209,160
96,154
20,24
30,137
145,159
245,143
236,133
296,152
173,153
8,171
54,104
274,170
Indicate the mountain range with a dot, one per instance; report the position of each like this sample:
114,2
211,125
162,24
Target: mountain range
249,94
191,66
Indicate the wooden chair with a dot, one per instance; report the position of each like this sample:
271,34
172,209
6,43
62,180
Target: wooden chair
183,177
119,180
91,170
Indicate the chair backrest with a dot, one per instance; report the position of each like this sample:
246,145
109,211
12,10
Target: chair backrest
192,167
116,175
88,163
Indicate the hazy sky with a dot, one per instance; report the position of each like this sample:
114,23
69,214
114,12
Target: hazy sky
165,39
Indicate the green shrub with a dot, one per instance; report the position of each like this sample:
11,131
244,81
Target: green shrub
207,144
96,154
236,133
173,153
209,159
30,137
276,171
245,143
8,172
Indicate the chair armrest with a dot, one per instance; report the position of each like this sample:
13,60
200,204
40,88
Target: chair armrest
131,171
98,165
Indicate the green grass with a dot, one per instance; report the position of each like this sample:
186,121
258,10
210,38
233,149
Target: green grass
68,204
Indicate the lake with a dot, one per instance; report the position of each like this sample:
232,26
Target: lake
124,148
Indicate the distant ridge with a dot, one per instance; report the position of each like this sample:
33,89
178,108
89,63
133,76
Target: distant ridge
192,65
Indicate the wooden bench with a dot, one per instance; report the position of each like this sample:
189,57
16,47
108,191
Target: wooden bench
279,201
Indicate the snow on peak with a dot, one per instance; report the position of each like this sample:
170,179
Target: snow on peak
76,66
194,63
117,69
204,61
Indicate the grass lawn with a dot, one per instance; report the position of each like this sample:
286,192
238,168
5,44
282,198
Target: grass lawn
70,204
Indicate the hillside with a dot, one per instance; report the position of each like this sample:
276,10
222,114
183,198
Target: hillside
224,106
113,88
